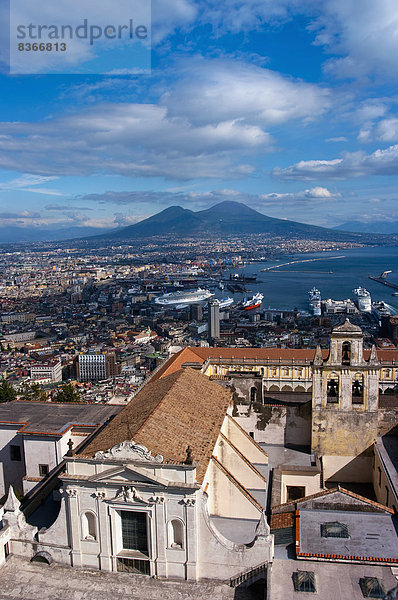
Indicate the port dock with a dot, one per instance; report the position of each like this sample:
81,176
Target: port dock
383,280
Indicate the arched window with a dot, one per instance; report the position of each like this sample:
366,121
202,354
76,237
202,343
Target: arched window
42,557
176,533
357,389
89,526
346,353
333,389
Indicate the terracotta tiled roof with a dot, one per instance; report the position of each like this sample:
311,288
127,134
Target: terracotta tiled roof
194,354
168,414
282,520
176,361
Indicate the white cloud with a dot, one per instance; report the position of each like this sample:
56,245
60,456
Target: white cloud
211,91
168,16
24,183
236,16
209,198
352,164
385,130
363,36
220,111
315,193
341,138
23,214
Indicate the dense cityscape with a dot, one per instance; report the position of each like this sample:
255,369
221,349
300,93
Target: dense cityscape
62,302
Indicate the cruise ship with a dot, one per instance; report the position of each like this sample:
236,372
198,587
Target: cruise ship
363,299
188,297
381,309
254,302
315,301
224,302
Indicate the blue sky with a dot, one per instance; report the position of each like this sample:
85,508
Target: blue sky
287,105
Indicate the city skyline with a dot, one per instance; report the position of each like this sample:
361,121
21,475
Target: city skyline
287,107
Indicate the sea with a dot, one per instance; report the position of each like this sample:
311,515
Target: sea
335,273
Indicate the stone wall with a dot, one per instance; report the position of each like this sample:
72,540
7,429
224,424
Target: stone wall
277,425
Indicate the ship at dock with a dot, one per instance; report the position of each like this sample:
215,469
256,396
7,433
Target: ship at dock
314,299
242,278
363,299
382,310
253,302
187,297
225,302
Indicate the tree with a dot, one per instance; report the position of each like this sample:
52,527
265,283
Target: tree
33,392
67,393
7,392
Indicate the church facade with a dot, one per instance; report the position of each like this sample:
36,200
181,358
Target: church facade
166,512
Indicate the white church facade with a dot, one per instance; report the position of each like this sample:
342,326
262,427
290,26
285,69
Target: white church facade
125,508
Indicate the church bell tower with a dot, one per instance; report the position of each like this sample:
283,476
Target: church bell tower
344,406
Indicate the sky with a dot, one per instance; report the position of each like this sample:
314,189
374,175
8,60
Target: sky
289,106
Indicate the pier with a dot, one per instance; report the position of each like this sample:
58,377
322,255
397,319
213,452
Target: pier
298,271
383,280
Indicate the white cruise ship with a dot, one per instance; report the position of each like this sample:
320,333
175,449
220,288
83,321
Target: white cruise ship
363,299
224,302
315,301
188,297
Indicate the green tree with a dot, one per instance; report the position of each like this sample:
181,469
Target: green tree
7,392
67,393
33,392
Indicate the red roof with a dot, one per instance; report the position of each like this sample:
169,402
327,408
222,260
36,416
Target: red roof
197,354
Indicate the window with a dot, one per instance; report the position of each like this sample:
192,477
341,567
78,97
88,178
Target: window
379,471
294,492
176,533
6,550
387,495
43,470
134,531
304,581
89,528
357,390
15,452
334,529
333,390
346,353
253,395
129,565
372,587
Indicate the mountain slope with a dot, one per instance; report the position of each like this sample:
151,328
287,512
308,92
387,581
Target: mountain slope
226,218
384,227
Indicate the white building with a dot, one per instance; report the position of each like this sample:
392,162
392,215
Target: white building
34,438
191,507
92,367
51,370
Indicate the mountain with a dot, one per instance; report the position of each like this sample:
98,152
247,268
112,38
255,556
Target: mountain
13,234
385,227
225,218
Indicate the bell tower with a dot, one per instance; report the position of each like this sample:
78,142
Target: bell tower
345,395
